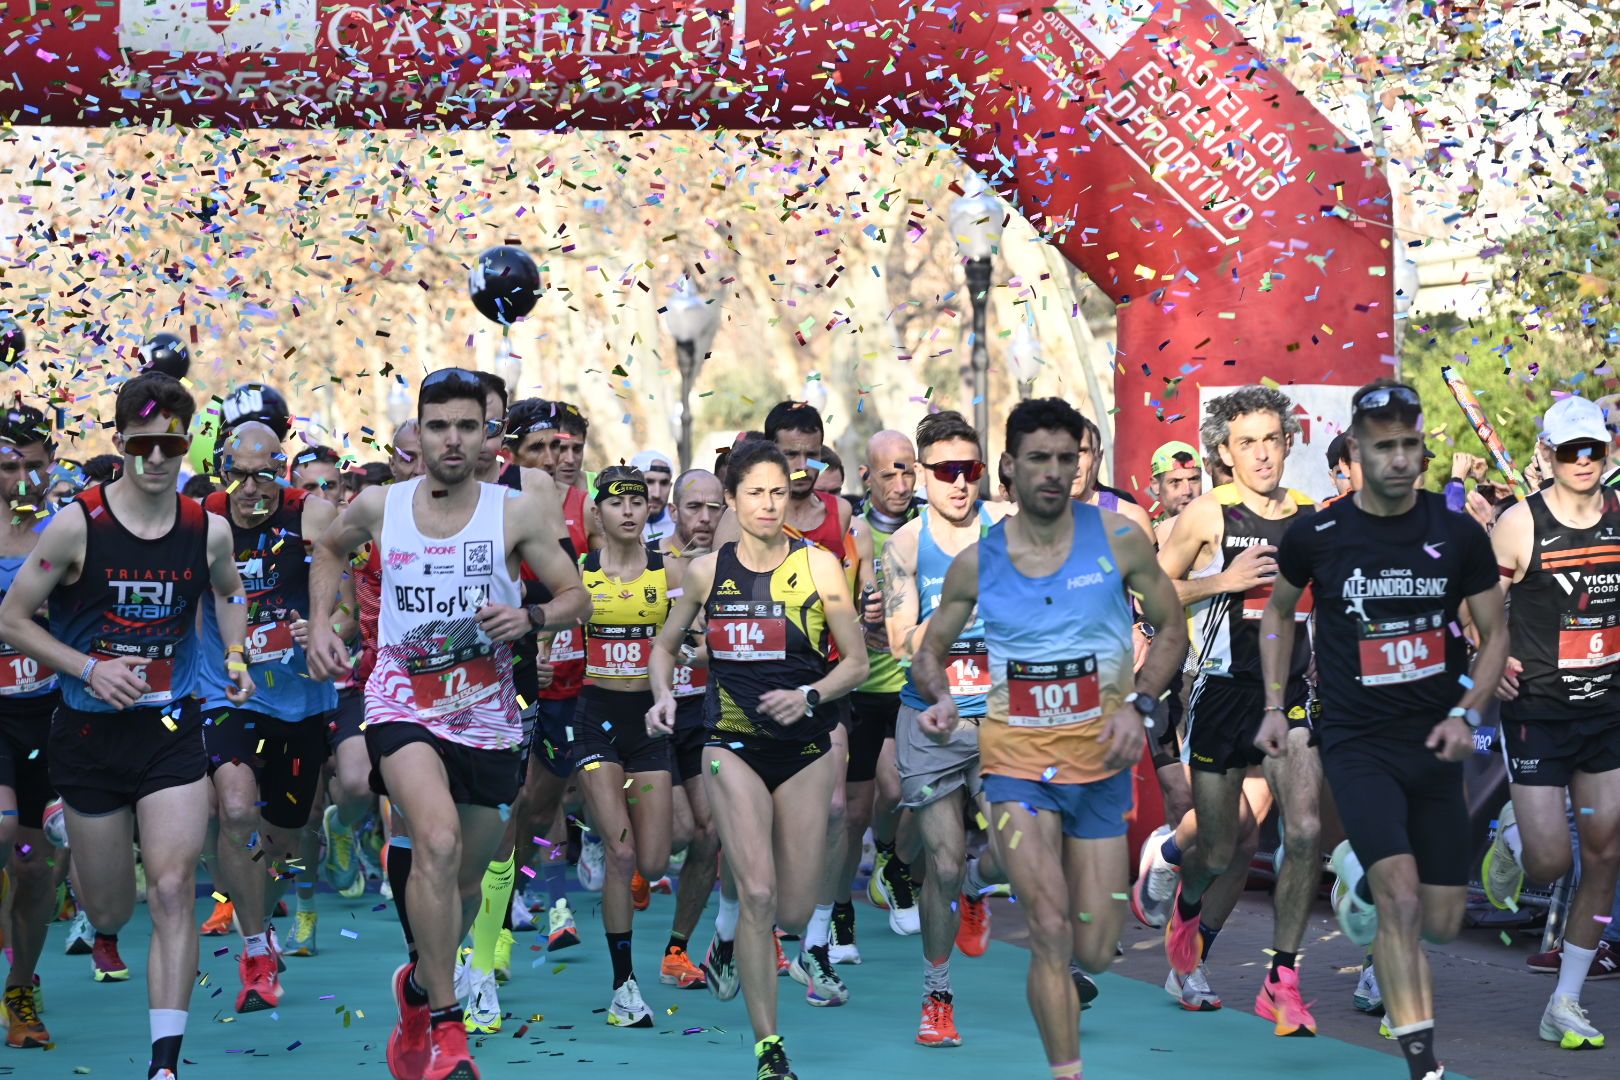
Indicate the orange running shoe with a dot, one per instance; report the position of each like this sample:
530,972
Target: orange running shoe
219,923
640,891
261,989
782,965
678,970
1280,1003
973,932
24,1030
938,1027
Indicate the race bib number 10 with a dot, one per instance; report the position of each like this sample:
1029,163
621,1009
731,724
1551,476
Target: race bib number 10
21,674
1053,693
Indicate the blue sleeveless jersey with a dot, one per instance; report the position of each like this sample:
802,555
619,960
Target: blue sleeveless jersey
20,676
967,668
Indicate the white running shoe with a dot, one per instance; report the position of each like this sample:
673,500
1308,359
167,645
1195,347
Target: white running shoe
1357,918
627,1009
522,920
592,866
1193,991
81,936
814,970
1156,881
720,968
841,947
1566,1024
1368,999
483,1003
1500,874
463,975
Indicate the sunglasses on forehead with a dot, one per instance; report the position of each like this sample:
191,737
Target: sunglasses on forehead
452,375
144,446
1387,397
949,472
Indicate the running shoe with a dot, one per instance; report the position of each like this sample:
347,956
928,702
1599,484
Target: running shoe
938,1027
772,1059
24,1029
105,963
302,942
449,1056
219,923
677,970
503,955
1156,880
340,865
875,885
973,931
1357,918
627,1009
720,968
899,895
1279,1002
1565,1023
385,889
410,1047
1193,992
483,1012
275,946
1183,944
81,938
522,919
814,970
562,932
664,886
260,988
592,866
165,1074
1084,985
1605,965
1383,1029
841,945
640,892
781,957
1500,873
355,889
1368,1000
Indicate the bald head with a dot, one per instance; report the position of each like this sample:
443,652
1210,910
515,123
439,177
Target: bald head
253,468
405,458
698,502
890,472
250,438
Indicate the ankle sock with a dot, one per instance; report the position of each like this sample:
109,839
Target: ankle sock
256,944
937,977
1281,959
676,941
725,920
1209,934
1573,965
414,994
1188,910
1417,1046
450,1014
168,1027
819,929
1172,850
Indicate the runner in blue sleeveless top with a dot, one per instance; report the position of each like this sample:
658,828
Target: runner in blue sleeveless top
937,781
266,761
28,697
124,569
1063,724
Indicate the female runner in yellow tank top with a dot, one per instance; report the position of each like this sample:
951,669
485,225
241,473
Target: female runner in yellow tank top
623,770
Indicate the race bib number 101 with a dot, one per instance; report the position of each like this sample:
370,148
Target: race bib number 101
1053,693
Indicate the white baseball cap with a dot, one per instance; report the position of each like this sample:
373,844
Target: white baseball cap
648,460
1574,419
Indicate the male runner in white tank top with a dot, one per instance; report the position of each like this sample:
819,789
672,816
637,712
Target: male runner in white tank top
443,727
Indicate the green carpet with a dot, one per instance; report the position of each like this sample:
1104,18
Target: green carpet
336,1013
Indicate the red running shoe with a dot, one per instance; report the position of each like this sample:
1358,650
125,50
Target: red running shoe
409,1049
451,1060
261,989
973,932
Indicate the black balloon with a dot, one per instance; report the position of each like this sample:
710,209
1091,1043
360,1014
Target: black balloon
166,353
12,340
504,283
255,401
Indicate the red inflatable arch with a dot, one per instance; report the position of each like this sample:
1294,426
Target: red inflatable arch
1241,234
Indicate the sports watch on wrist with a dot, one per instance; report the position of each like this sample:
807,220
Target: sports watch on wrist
1470,715
1142,703
537,616
812,698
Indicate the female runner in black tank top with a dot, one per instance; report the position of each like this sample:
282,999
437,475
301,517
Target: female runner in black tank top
767,757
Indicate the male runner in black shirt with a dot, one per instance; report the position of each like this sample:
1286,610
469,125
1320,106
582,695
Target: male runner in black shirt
1390,567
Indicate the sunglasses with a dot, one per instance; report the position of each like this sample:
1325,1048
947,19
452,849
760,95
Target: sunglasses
451,374
144,446
1387,397
949,472
1570,453
234,477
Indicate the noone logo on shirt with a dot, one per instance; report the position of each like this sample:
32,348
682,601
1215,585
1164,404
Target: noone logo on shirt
231,26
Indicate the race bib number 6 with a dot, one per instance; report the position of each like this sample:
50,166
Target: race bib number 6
1054,693
269,640
747,631
1588,641
155,667
1394,651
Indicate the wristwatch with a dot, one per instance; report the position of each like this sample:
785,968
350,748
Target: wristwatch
1470,715
537,616
812,698
1142,704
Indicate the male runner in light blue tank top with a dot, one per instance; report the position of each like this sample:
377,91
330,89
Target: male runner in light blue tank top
937,779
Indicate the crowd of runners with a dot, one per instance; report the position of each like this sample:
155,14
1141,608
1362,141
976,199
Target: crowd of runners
477,668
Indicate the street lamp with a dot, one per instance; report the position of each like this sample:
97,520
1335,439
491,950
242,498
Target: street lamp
690,319
975,221
399,404
1024,356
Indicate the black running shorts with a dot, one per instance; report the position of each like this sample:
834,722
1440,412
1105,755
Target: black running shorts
1396,798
